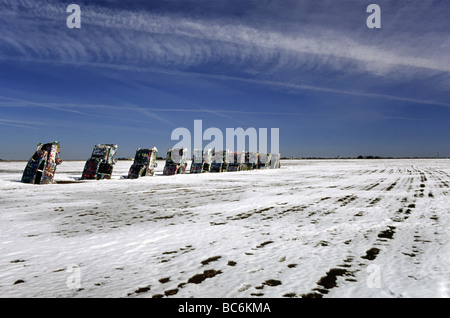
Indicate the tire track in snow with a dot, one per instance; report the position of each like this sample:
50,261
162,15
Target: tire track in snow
384,237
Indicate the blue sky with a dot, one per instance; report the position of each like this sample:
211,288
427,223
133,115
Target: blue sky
135,71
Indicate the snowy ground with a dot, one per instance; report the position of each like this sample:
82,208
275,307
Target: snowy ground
331,228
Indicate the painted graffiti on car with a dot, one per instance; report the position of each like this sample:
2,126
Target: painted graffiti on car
275,161
176,162
41,167
237,161
101,163
201,161
221,160
144,163
251,160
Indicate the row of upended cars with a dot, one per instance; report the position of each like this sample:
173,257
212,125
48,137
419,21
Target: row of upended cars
41,167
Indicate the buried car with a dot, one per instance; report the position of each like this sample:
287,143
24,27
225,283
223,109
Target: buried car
101,163
237,161
175,161
201,161
264,160
275,161
144,163
221,160
41,167
251,160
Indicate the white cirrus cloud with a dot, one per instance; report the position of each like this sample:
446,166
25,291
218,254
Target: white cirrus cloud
137,38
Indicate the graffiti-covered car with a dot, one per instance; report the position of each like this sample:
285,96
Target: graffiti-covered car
251,160
221,160
144,163
175,161
237,161
275,161
41,167
264,160
201,160
101,163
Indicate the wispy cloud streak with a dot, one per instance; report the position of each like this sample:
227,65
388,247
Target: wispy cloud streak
87,109
18,123
138,38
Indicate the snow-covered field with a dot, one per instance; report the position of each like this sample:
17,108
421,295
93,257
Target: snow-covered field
331,228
